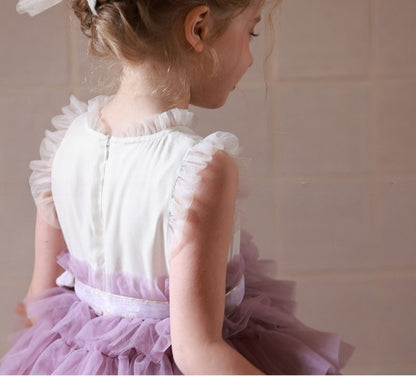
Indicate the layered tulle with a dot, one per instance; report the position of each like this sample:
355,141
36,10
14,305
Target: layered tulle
265,330
70,338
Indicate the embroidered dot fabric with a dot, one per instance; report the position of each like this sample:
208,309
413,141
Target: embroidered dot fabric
121,200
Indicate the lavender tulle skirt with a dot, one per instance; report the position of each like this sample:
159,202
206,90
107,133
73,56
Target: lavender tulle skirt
70,338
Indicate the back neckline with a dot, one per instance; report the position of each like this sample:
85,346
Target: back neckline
171,118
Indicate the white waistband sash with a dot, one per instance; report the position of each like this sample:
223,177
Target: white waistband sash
108,303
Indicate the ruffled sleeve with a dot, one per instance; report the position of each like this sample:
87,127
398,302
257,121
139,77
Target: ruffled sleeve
195,160
40,179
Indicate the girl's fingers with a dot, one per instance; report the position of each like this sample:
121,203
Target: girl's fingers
20,310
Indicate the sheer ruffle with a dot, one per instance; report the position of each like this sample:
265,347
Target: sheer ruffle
69,338
172,118
197,159
40,179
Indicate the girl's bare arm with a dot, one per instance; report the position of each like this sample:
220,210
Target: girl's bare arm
49,242
197,276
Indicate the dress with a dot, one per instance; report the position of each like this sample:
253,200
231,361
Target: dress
121,202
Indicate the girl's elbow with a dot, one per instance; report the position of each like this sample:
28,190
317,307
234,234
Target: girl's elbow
188,357
182,357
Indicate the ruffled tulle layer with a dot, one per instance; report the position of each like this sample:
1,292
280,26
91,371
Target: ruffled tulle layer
70,338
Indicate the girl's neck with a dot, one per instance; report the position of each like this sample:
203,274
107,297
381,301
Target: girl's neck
135,99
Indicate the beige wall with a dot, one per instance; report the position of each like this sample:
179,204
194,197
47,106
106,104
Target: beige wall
334,148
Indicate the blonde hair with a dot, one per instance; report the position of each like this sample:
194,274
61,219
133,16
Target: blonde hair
135,31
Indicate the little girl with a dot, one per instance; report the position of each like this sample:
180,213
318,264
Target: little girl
141,267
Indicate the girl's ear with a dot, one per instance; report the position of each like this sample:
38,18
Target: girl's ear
196,25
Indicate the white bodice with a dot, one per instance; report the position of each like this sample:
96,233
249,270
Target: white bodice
121,200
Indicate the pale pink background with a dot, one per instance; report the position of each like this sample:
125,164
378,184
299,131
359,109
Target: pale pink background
334,148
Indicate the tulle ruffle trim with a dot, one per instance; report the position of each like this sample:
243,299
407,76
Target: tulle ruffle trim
171,118
197,159
69,338
40,179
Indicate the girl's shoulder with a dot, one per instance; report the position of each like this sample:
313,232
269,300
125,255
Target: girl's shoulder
202,152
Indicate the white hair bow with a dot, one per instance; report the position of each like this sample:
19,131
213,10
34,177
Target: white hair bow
34,7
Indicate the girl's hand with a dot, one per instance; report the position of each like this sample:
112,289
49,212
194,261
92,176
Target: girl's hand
20,310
